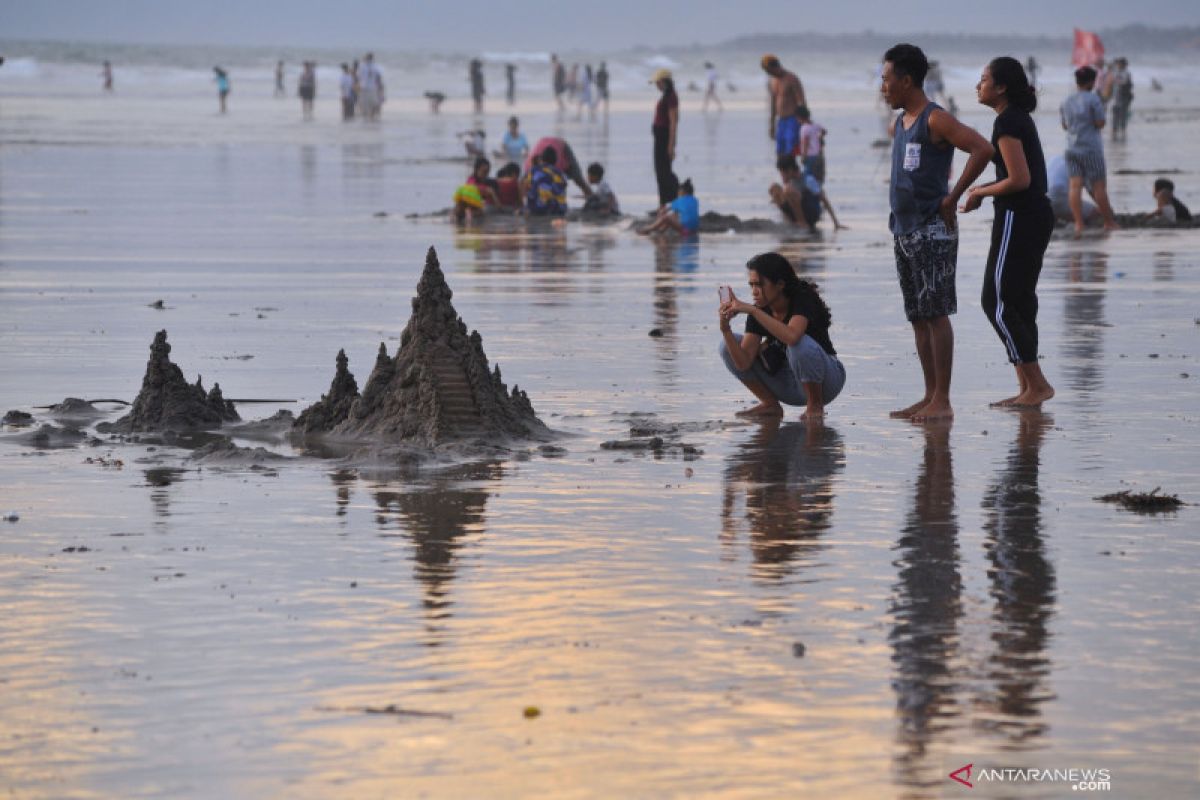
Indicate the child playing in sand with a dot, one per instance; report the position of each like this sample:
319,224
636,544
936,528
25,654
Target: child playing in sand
480,178
1169,207
681,215
603,199
508,186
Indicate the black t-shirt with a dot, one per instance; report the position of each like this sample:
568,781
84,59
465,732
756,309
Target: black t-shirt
1182,214
1019,125
804,304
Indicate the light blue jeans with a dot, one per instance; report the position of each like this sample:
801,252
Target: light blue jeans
807,362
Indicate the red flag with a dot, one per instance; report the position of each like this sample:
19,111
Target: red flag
1089,50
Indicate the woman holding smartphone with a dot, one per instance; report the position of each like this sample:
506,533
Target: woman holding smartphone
1022,226
785,355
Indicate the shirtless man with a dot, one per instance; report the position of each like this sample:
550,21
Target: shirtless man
787,95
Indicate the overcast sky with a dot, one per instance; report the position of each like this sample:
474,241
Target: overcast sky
524,25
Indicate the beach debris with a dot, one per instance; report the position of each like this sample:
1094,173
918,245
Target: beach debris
333,408
11,516
532,712
168,402
105,461
798,649
1149,502
82,548
18,418
390,708
157,305
657,333
436,389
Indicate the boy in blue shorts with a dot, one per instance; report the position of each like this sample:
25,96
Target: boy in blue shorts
681,215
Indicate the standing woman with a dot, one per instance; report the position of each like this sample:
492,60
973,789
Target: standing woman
1022,227
666,123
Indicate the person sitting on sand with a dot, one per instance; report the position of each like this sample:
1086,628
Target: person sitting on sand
481,178
468,201
603,199
785,355
681,215
547,195
799,194
1169,207
508,186
473,143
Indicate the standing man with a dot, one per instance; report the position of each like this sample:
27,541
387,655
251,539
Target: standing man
923,219
510,74
1082,118
602,86
559,77
787,94
710,93
477,90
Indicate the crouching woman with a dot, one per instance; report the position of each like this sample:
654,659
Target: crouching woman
785,355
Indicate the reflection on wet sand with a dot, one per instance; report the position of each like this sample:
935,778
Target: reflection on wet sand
781,482
436,516
672,257
1084,325
160,479
927,607
343,480
1022,590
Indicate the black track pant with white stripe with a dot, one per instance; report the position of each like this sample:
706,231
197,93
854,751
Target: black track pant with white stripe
1019,240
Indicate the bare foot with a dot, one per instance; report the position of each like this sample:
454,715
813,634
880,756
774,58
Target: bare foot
933,411
906,413
1033,398
1111,226
762,410
1008,401
814,414
1078,232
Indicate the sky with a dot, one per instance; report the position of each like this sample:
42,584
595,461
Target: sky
526,25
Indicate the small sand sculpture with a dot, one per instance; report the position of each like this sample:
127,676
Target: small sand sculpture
436,390
333,408
167,402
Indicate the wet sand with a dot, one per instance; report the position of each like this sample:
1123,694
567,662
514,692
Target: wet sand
854,609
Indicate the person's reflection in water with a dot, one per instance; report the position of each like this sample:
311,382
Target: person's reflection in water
1084,325
160,479
437,517
1022,588
670,258
927,608
779,487
342,480
1164,266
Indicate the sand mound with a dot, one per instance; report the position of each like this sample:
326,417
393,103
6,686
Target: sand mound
167,402
333,408
436,390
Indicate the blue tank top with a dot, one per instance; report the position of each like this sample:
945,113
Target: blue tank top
920,174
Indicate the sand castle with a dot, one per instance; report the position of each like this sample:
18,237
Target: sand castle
167,402
437,389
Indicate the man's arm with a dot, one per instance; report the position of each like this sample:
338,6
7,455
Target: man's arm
979,151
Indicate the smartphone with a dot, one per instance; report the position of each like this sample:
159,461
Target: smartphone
725,293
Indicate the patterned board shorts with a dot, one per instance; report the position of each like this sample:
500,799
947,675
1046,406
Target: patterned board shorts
926,264
1086,164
